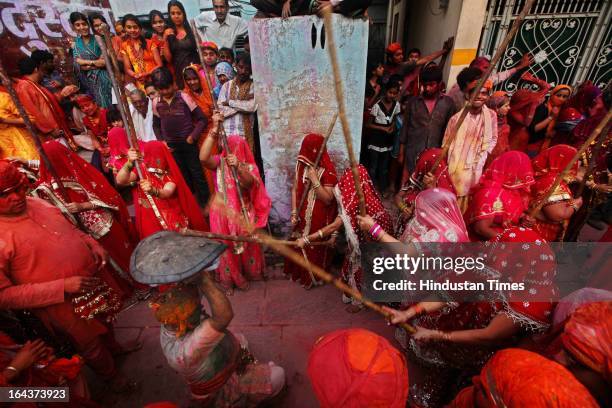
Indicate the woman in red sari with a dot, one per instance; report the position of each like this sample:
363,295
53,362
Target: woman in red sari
94,205
197,87
522,109
516,378
552,219
245,261
319,208
421,179
175,207
97,128
501,197
348,210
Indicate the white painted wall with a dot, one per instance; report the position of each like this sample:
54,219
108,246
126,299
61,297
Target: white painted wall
429,26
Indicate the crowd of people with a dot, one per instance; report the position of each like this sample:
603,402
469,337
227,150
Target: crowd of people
70,219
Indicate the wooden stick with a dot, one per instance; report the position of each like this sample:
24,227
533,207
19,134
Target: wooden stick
243,207
111,64
331,47
594,154
238,238
33,131
281,247
498,54
594,135
328,278
316,163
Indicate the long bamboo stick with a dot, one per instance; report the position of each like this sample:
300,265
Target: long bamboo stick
282,248
33,131
243,207
326,277
498,54
333,55
238,238
592,163
594,135
112,67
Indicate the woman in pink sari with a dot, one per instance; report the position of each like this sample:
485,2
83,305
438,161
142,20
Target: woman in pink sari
501,197
245,260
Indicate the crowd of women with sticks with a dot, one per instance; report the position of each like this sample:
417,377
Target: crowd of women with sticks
150,116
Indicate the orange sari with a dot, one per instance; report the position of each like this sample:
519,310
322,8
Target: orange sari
205,102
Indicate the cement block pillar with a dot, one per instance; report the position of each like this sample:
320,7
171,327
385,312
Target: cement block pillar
469,30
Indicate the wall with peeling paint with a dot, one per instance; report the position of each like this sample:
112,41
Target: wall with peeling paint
294,90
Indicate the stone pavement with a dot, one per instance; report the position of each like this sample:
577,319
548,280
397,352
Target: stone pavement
279,318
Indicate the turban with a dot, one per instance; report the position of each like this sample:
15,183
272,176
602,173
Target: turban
488,85
69,90
393,48
587,337
498,99
210,45
516,378
10,176
357,368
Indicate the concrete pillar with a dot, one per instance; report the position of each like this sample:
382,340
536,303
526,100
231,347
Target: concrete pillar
467,38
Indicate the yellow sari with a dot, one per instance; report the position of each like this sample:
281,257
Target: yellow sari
15,141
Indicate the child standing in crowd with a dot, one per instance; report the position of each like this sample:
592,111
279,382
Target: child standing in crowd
381,132
179,121
140,57
226,55
224,72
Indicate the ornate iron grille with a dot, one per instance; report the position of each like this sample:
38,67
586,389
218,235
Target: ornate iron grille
572,38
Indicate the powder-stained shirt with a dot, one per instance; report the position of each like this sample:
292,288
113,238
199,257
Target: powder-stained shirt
423,130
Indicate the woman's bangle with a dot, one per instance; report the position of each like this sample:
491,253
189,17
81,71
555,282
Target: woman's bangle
13,369
373,228
379,234
446,336
316,186
320,234
306,240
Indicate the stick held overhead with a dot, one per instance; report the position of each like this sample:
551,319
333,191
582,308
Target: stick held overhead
346,129
498,54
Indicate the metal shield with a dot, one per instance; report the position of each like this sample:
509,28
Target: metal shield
169,257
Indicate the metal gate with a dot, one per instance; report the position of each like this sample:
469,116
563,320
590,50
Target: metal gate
572,39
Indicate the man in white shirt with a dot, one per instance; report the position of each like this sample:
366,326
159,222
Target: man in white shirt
219,26
141,109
